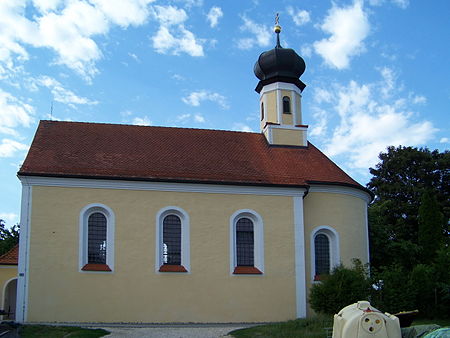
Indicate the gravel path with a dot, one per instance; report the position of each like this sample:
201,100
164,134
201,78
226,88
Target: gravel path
171,332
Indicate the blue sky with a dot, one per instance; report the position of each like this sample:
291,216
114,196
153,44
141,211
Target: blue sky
377,71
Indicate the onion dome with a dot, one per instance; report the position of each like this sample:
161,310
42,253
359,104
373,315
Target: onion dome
279,65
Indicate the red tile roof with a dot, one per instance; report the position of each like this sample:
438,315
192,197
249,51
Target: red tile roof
11,257
113,151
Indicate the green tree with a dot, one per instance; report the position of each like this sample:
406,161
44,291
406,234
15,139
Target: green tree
399,181
431,222
8,237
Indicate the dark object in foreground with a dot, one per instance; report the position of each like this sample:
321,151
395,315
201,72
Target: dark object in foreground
406,317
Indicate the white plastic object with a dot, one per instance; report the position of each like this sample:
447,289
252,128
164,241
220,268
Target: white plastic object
361,320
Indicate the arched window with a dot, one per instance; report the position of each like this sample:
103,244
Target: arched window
324,251
322,254
96,238
246,243
286,105
262,111
172,240
172,235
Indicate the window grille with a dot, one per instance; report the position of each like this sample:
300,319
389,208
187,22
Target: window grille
172,240
97,238
322,254
244,242
286,105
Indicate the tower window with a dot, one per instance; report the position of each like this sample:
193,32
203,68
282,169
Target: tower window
286,105
262,111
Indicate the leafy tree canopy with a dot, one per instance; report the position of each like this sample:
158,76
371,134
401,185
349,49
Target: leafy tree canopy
399,182
8,237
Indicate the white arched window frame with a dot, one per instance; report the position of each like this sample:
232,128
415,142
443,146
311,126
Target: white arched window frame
333,239
185,241
258,243
85,213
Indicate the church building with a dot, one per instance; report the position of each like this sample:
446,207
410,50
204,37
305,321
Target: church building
144,224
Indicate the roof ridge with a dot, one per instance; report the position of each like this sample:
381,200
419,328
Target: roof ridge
142,126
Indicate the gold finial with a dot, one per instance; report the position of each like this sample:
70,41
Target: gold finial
277,28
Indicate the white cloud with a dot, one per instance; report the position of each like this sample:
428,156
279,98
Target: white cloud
367,121
195,98
170,15
124,12
172,36
348,27
164,42
213,16
9,147
9,218
14,113
183,118
261,34
242,127
300,17
142,121
419,99
135,57
306,50
319,128
191,3
403,4
66,27
444,140
178,77
61,94
199,118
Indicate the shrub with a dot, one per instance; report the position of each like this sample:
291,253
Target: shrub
342,287
393,290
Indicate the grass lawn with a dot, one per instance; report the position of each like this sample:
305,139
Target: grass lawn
59,331
310,327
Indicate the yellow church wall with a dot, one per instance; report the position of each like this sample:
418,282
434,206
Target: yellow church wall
287,119
271,107
344,213
287,136
134,292
7,273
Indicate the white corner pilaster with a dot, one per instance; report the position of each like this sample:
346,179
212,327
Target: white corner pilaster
300,270
279,107
24,257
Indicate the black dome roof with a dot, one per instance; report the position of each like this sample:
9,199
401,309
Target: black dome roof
279,65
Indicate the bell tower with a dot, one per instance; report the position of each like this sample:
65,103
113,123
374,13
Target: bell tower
280,90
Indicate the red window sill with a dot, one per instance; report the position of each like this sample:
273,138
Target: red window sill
318,278
172,268
246,270
96,267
